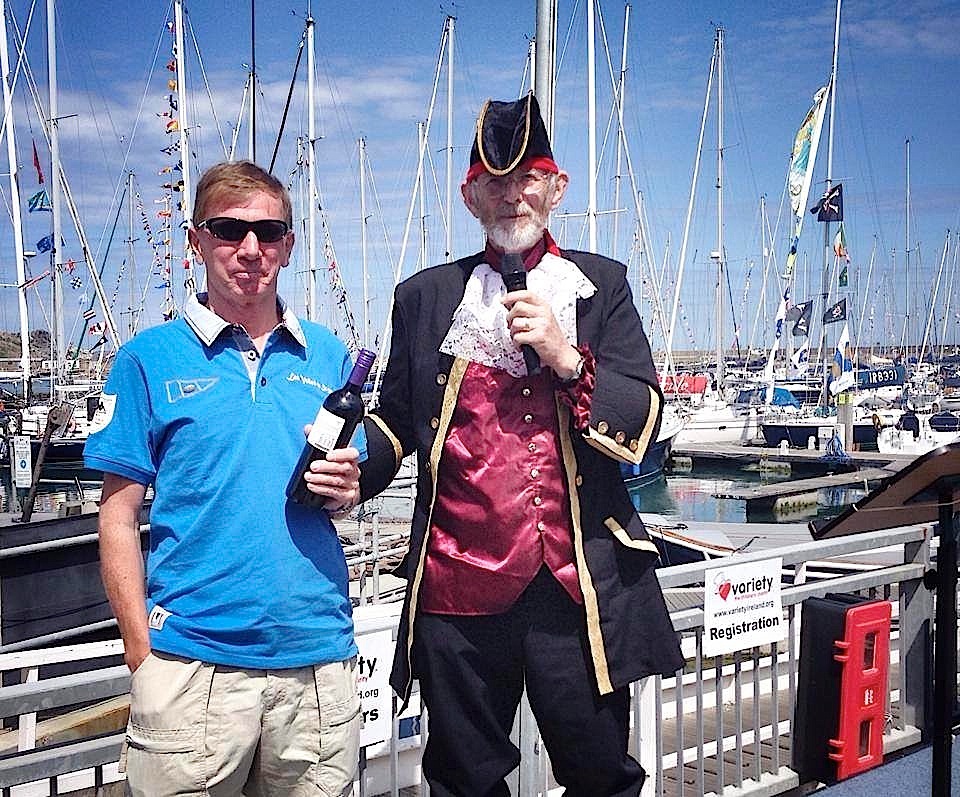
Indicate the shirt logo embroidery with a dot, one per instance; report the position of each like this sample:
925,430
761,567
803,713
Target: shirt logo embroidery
157,618
293,376
104,412
186,388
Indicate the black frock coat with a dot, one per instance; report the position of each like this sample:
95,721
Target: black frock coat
628,626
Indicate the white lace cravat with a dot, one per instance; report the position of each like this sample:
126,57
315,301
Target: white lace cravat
479,330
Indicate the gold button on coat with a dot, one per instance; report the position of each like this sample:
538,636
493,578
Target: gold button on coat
602,427
620,437
434,423
441,379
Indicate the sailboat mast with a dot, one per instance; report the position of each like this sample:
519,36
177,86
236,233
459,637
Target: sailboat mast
252,143
15,202
363,242
57,353
543,83
133,320
824,280
422,199
186,198
591,129
906,247
718,255
311,300
621,135
448,210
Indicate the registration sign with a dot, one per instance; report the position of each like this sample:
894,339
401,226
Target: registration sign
373,684
742,607
22,461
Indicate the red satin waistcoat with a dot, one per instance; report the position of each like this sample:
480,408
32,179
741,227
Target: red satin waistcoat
501,510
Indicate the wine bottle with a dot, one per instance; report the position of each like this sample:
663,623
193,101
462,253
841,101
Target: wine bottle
332,428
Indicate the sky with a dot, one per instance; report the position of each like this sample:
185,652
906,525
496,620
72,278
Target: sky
375,67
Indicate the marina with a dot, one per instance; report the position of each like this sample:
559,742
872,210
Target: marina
806,358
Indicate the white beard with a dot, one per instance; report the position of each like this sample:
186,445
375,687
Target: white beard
517,236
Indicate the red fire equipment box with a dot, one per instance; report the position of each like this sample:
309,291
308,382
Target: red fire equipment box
842,686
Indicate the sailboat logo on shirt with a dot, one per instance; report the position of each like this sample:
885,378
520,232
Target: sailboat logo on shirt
178,389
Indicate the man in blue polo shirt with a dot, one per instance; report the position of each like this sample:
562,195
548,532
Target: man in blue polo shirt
241,642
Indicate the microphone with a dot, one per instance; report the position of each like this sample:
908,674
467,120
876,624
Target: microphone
515,279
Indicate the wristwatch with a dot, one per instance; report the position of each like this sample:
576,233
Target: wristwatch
577,372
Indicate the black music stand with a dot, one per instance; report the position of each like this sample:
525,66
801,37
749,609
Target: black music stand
926,490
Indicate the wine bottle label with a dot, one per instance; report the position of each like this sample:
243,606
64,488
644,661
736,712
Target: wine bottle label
325,430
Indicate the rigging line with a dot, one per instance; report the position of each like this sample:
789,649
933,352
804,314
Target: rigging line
383,227
730,86
437,191
185,156
286,107
21,59
870,175
31,84
79,319
733,312
385,337
566,40
123,169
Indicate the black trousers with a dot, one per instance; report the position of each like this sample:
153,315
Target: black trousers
472,672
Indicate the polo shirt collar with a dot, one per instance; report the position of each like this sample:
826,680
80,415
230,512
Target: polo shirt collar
208,325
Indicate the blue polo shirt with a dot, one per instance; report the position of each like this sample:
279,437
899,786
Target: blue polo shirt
236,574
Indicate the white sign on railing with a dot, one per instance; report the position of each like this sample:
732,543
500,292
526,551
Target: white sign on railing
22,461
742,607
373,685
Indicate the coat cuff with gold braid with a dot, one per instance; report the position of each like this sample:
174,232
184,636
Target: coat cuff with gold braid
577,394
384,454
614,442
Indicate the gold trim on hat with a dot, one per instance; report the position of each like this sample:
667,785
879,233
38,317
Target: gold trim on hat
523,149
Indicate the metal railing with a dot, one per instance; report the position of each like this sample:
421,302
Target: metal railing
723,726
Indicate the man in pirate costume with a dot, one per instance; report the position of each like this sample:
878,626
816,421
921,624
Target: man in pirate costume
528,565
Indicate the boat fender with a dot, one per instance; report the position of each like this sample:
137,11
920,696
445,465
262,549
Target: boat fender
877,421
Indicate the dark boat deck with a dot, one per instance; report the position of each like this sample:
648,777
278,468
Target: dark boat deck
866,469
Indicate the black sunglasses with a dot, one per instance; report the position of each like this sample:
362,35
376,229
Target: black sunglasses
268,231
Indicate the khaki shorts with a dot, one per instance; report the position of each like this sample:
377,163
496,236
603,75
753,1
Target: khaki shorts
204,729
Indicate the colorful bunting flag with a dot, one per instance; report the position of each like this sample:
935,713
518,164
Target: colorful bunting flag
802,326
830,206
842,368
45,244
801,358
837,312
39,201
34,280
89,314
36,163
76,283
782,312
840,244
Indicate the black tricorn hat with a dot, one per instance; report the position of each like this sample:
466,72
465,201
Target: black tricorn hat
508,134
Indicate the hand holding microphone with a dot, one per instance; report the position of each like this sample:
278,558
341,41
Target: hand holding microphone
515,279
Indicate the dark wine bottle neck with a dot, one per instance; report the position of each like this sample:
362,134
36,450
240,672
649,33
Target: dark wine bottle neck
361,369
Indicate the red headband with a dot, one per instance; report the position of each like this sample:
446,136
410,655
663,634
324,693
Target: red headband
536,162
